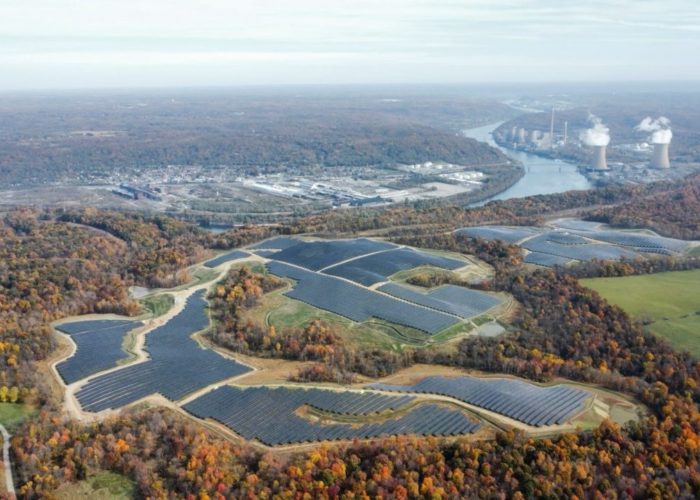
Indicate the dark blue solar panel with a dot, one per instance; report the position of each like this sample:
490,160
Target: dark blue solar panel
316,255
177,364
602,251
528,403
451,299
99,347
544,259
358,303
276,243
502,233
378,267
270,415
227,257
637,240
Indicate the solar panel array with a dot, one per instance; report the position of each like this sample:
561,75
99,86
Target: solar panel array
576,224
564,238
640,241
227,257
379,266
266,253
451,299
99,347
358,303
528,403
583,240
544,259
503,233
316,255
276,243
177,365
269,415
603,251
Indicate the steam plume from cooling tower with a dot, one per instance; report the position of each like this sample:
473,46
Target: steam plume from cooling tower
597,135
661,136
660,129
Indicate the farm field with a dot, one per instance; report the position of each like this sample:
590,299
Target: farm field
671,301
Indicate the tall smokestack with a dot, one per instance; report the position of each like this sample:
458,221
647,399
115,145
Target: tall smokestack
566,131
599,161
551,128
660,158
661,136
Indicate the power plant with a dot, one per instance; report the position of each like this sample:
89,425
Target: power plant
660,157
521,136
661,135
599,160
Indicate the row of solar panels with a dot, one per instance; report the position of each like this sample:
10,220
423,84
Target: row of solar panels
583,242
99,347
226,257
379,266
358,303
602,251
450,299
269,415
528,403
317,255
177,365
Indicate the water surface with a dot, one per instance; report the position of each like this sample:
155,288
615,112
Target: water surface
542,175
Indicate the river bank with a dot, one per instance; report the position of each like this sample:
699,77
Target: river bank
542,175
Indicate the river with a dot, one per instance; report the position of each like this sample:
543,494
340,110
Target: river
542,175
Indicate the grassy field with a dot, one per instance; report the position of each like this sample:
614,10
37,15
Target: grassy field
671,301
12,414
103,485
157,305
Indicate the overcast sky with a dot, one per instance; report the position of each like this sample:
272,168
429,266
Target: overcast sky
126,43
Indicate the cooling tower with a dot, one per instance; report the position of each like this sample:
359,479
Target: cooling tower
534,135
521,136
599,161
660,158
514,134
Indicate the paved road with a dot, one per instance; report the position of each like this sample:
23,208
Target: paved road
9,482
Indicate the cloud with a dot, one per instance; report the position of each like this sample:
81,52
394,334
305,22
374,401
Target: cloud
597,135
380,41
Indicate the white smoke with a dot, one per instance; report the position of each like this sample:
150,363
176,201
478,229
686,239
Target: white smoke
660,129
597,135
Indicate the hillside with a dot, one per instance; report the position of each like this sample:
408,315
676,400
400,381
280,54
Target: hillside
78,139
